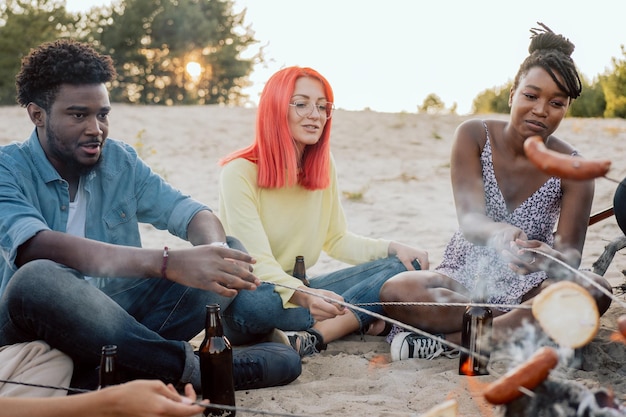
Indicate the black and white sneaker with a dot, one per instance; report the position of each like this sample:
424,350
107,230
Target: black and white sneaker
407,345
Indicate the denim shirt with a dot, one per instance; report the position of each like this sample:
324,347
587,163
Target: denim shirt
123,192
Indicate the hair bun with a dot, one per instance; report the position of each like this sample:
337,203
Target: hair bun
545,39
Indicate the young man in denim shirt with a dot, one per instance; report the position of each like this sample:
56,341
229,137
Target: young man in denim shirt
73,270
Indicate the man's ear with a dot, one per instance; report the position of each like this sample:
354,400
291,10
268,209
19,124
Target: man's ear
37,114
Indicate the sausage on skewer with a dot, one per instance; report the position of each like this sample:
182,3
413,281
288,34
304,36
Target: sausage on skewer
526,375
562,165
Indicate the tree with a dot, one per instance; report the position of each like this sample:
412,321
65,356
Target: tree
614,87
494,100
152,42
432,104
24,24
591,102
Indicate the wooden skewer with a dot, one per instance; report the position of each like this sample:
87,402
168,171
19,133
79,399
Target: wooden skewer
601,215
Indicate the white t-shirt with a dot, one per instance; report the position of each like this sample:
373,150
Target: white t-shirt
78,214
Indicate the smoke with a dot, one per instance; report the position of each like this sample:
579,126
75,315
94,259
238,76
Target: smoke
557,396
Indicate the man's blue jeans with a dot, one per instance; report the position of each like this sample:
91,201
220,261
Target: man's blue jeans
258,312
150,322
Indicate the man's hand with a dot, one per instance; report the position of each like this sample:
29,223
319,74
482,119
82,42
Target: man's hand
213,268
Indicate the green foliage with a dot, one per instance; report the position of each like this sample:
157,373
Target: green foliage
495,100
432,104
25,24
591,102
152,41
614,87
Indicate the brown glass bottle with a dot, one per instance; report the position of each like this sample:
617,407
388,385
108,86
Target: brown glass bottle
216,365
476,337
299,270
108,374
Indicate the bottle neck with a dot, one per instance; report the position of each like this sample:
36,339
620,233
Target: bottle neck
108,367
109,350
213,324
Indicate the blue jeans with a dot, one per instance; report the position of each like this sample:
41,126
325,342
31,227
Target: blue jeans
150,320
255,313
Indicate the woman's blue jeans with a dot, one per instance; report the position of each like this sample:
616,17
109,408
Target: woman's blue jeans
258,312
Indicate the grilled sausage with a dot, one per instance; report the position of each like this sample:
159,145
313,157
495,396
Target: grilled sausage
562,165
528,375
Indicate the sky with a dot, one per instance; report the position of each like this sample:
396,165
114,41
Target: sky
389,55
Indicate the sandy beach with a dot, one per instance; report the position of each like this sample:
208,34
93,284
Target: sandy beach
394,175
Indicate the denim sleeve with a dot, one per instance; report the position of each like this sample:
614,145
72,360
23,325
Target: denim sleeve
21,207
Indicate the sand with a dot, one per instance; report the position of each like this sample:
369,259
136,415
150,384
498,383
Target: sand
394,175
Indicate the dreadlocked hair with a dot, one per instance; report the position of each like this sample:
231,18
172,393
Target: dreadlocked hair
552,52
52,64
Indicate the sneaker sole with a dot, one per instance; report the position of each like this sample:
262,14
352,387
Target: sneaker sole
278,336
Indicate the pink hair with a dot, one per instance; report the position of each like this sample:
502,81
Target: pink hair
273,149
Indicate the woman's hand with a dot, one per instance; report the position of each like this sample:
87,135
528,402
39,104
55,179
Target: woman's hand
320,308
523,261
504,235
540,258
407,254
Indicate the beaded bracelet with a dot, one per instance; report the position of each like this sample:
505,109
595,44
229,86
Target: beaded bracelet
166,255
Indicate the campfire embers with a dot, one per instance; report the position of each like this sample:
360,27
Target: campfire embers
564,399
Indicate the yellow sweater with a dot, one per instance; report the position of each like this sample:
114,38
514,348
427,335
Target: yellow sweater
276,225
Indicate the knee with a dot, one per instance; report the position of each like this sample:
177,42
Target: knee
397,287
35,277
602,299
394,264
30,275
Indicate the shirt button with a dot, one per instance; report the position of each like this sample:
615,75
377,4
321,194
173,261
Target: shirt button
63,208
123,215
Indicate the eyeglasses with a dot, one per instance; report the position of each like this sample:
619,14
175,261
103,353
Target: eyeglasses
305,108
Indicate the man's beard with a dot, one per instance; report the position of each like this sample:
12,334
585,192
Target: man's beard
68,159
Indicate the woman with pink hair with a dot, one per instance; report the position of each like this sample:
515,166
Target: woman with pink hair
280,196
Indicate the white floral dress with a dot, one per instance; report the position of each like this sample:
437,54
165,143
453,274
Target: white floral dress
537,216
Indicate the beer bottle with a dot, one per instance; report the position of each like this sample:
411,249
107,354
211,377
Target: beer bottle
108,374
476,337
216,365
299,270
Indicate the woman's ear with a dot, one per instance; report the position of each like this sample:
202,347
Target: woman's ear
37,114
511,93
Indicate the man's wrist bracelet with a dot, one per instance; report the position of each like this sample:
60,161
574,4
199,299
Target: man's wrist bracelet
166,256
